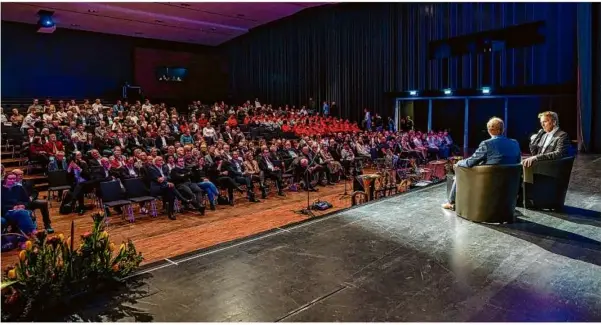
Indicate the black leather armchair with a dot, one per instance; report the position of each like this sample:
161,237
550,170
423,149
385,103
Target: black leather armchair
487,193
547,185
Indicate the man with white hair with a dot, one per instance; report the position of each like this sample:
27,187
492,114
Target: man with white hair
498,150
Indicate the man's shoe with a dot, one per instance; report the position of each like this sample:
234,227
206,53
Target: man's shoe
202,209
448,206
212,206
49,230
280,193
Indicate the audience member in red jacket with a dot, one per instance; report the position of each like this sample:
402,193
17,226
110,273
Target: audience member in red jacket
53,146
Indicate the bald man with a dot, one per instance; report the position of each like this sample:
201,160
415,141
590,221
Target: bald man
498,150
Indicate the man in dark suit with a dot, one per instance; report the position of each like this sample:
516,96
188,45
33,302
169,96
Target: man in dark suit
270,170
180,176
162,141
234,169
129,170
498,150
159,186
135,141
550,142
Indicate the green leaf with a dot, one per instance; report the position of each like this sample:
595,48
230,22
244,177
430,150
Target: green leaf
7,284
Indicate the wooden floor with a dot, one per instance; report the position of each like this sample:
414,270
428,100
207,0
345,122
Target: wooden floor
159,238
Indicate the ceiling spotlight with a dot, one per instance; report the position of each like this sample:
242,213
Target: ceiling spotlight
185,5
45,22
413,92
92,11
448,91
486,90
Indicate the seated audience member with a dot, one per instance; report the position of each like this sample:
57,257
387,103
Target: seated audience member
270,170
550,143
58,162
234,169
251,169
37,152
190,192
304,173
347,158
14,204
34,202
186,138
498,150
129,169
81,181
160,186
200,176
53,145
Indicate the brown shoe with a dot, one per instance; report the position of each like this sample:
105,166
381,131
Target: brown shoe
448,206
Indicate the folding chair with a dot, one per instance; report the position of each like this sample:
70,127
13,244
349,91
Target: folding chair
138,193
57,181
112,196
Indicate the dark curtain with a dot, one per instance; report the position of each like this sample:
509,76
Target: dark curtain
584,74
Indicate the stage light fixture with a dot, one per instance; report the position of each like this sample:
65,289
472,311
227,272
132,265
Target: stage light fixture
485,90
413,92
46,23
447,91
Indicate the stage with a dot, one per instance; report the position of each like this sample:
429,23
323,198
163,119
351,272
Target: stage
402,258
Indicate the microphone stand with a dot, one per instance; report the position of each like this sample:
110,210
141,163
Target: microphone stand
307,211
345,194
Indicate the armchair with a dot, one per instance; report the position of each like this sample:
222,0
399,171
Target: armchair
487,193
546,183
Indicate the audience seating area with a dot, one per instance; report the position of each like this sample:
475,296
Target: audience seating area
124,156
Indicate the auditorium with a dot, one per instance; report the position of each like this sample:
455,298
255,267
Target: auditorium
301,162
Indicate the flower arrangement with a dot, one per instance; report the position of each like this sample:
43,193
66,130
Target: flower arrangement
50,270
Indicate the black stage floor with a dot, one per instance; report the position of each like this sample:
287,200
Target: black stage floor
399,259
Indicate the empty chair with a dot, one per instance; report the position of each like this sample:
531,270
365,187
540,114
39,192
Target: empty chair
57,182
138,193
112,196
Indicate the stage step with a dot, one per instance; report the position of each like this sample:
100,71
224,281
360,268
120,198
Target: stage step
13,161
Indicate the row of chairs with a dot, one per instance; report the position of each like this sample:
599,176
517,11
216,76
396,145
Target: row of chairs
111,193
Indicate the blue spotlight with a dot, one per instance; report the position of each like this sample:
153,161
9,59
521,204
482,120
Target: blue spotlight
413,92
447,91
45,20
485,90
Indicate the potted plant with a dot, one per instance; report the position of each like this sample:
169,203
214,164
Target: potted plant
51,272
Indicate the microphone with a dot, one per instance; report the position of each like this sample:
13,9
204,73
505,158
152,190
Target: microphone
535,137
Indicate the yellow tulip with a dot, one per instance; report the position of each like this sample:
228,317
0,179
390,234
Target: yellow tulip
122,247
104,234
112,247
28,245
22,255
61,237
12,274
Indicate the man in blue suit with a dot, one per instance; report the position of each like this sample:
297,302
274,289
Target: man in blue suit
498,150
